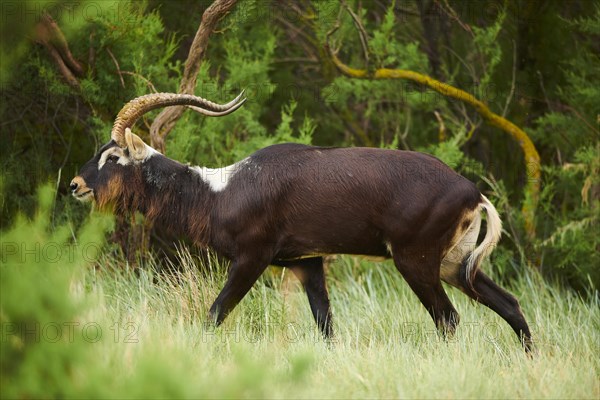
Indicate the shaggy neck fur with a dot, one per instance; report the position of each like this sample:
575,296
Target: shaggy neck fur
170,194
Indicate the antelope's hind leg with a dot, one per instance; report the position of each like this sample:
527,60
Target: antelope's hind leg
421,269
488,293
483,289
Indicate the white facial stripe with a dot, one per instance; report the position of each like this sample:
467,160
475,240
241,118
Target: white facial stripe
116,151
218,178
123,159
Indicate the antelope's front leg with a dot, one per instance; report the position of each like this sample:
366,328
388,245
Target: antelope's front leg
242,275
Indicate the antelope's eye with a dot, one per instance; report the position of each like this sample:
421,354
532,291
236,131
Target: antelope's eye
112,158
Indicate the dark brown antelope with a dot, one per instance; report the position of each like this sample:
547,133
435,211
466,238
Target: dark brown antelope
289,204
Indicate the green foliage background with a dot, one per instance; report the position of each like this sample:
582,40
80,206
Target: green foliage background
535,62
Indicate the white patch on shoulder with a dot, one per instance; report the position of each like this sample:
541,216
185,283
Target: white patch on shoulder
218,178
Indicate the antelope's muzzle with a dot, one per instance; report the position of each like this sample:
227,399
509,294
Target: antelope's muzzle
80,190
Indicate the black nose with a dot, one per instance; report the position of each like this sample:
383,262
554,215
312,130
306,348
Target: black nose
73,186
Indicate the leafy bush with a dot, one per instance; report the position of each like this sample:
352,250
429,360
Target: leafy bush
569,220
43,336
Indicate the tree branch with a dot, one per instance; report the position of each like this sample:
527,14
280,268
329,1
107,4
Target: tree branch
430,27
116,65
364,39
49,34
531,156
442,130
165,121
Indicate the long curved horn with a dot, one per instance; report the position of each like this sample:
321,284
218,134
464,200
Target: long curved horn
137,107
229,107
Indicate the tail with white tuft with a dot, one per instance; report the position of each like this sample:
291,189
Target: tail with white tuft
492,236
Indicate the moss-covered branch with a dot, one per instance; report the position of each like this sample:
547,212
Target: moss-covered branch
531,156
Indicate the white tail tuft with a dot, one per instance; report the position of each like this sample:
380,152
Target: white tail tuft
492,236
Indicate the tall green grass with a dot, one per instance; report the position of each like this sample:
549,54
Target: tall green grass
150,340
385,344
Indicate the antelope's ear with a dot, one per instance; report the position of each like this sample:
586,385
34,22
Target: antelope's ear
137,148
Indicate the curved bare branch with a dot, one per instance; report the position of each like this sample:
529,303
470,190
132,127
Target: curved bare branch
166,120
